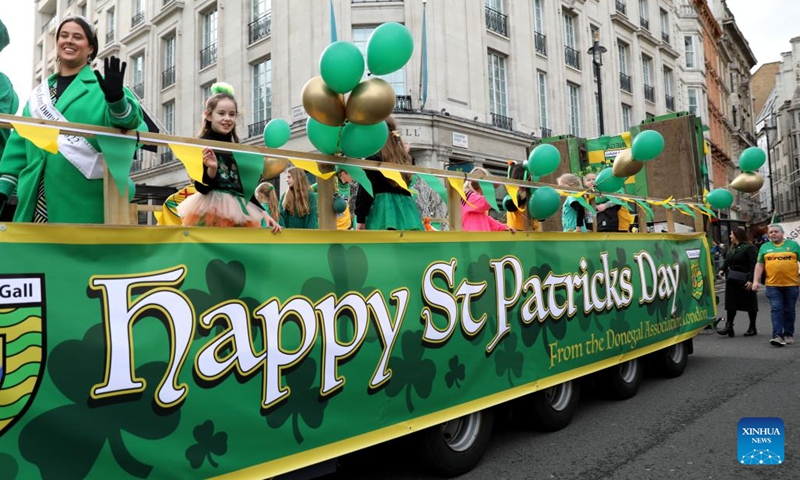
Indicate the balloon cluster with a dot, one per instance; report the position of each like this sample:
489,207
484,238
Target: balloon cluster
646,146
355,125
543,160
748,181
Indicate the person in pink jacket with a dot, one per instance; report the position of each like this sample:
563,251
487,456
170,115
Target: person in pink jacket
475,211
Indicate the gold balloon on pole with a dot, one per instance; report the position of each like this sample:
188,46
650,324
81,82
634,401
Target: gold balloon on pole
372,101
273,167
748,182
323,104
624,165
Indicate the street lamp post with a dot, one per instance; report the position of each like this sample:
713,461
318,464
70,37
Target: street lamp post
766,128
597,51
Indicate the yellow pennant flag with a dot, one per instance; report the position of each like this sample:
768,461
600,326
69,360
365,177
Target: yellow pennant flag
311,167
458,185
192,159
396,176
43,137
699,210
512,192
661,203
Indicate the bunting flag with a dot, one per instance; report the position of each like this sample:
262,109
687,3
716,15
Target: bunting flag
435,184
118,152
360,176
576,195
397,177
513,191
646,208
423,75
698,210
708,211
334,37
620,202
311,167
45,138
458,185
586,205
660,203
192,159
488,193
684,209
251,165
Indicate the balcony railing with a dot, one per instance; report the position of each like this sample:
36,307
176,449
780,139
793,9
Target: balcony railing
137,19
572,57
256,129
540,40
260,27
402,103
649,93
665,37
167,157
621,8
109,36
208,55
546,132
496,21
670,102
136,166
500,121
138,89
625,82
168,77
644,23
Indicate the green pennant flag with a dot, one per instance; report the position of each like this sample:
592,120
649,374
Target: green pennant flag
686,209
488,193
359,175
646,208
707,210
250,167
118,152
435,185
619,202
588,206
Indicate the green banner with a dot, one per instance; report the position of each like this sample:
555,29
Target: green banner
197,353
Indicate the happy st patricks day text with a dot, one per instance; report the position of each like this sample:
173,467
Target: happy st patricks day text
535,298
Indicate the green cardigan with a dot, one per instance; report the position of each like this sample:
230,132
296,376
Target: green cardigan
293,221
71,197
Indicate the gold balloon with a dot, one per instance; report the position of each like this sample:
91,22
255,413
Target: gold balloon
748,182
370,102
323,104
274,167
624,165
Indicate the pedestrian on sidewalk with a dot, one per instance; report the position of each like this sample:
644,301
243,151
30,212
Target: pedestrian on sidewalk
738,270
779,258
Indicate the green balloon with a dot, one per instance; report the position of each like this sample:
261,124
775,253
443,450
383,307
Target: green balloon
751,159
607,182
647,145
389,48
720,198
324,137
339,204
341,66
277,133
543,160
360,141
544,202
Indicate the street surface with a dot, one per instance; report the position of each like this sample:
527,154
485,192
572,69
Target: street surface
682,428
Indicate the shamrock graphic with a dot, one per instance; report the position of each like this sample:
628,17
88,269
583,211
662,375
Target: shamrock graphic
480,271
74,367
555,328
348,267
508,361
8,467
304,401
208,443
411,371
457,372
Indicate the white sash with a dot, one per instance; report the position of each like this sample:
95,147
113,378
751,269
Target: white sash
80,153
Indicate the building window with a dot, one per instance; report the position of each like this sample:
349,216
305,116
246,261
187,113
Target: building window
647,69
396,79
496,21
498,96
111,25
168,74
169,117
137,74
138,13
644,16
572,56
668,92
262,97
664,16
688,44
542,84
573,109
208,52
205,93
693,95
624,77
261,24
626,117
540,39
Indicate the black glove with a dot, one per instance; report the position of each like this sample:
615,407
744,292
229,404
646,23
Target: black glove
114,77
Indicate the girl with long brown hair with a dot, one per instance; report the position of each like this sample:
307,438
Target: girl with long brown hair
298,203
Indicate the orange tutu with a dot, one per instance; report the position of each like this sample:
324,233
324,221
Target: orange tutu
219,209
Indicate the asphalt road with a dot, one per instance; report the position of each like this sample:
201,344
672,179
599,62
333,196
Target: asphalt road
682,428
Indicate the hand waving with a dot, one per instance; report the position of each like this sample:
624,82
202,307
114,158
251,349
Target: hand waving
114,77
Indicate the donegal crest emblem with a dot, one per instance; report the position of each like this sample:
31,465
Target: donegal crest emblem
22,344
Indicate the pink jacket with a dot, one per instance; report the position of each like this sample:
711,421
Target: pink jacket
475,217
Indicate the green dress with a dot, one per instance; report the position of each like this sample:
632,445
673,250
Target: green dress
311,220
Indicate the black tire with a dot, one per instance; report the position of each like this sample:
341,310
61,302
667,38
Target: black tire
551,409
671,362
455,447
622,381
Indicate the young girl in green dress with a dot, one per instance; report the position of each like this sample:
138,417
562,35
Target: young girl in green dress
298,203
